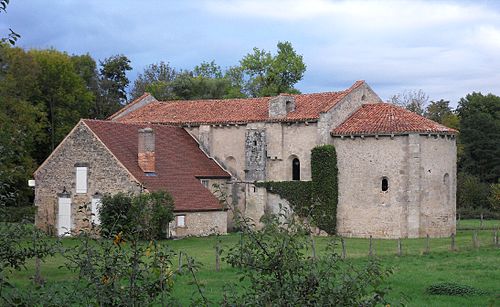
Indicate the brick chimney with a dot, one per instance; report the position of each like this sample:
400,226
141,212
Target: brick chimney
146,152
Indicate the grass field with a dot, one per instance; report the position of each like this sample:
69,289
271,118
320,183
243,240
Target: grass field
476,224
414,271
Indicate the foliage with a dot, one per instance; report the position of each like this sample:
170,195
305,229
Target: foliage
155,79
494,197
268,75
17,214
297,193
325,187
259,74
316,199
20,242
122,272
480,135
471,192
279,272
451,288
23,125
148,214
412,100
438,111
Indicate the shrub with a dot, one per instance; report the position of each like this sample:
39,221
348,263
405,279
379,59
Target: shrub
450,288
325,187
146,215
316,199
471,193
279,270
17,214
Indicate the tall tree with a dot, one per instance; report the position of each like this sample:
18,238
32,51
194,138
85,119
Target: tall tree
412,100
268,75
113,84
63,93
480,136
12,36
22,125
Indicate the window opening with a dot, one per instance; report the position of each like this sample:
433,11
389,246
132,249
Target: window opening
204,182
385,184
295,169
181,221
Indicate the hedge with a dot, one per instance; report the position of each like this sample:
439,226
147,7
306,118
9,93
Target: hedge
316,199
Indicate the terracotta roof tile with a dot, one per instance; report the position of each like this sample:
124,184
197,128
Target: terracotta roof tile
179,162
385,118
218,111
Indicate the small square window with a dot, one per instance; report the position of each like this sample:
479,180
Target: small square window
205,183
181,220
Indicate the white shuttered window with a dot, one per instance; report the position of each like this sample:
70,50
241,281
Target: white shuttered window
81,179
96,205
181,221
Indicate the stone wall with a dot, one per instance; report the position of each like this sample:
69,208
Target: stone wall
363,208
420,199
438,182
200,224
105,175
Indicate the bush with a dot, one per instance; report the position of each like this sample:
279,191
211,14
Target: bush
17,214
279,270
471,193
454,289
146,215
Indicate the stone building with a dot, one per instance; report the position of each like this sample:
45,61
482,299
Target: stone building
397,170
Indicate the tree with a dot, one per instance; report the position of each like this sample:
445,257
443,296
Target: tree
113,84
268,75
63,93
412,100
155,79
438,110
480,136
22,125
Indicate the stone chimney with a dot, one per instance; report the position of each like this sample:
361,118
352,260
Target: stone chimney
146,152
281,105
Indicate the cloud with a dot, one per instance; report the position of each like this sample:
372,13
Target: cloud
446,48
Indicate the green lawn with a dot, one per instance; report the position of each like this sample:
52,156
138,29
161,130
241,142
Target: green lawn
414,271
476,224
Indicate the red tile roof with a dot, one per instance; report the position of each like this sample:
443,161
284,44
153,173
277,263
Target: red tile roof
385,118
179,162
217,111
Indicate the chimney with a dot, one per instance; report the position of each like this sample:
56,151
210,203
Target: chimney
146,152
281,105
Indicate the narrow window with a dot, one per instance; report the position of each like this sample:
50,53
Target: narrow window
96,206
181,220
385,184
295,169
81,179
205,183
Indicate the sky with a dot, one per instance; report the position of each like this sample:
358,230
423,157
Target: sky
445,48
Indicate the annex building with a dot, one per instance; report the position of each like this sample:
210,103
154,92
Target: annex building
397,170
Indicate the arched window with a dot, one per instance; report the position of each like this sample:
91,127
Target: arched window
295,169
385,184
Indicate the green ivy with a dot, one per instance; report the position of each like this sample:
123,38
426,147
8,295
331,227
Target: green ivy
316,199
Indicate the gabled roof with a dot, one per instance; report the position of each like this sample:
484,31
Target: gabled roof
385,118
179,162
218,111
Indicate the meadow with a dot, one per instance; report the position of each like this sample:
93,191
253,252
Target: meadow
417,268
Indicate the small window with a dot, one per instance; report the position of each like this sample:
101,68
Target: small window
181,220
385,184
295,169
96,206
81,179
205,183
